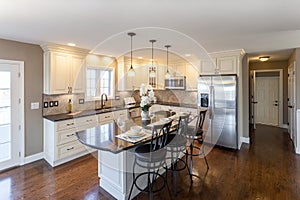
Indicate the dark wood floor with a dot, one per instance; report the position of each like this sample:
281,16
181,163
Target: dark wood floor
266,169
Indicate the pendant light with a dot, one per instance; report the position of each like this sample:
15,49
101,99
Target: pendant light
167,75
152,73
131,71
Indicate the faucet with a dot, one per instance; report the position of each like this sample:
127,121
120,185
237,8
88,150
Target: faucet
102,101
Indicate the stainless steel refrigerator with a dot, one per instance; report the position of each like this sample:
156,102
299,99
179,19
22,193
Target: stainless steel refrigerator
218,94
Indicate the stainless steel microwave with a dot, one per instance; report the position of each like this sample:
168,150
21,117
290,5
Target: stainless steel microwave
175,82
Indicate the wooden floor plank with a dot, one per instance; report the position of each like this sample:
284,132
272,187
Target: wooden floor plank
268,168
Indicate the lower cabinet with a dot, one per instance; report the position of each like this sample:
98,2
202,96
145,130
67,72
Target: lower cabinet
60,142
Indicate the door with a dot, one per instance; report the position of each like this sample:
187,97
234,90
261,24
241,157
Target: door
267,93
10,115
291,101
253,99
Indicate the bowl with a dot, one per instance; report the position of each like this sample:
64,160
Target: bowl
135,129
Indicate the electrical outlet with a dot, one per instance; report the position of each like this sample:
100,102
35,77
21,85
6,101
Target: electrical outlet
117,97
51,103
56,103
81,101
46,104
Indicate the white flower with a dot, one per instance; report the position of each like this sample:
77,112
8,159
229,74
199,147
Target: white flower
147,95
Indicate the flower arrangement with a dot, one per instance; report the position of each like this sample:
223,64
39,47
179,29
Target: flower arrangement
147,95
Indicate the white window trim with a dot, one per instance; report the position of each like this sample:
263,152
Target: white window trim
112,83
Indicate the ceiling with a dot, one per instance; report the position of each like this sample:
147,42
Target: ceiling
268,27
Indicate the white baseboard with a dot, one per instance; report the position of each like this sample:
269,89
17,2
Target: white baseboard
245,140
32,158
284,126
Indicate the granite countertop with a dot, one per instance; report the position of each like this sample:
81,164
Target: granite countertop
66,116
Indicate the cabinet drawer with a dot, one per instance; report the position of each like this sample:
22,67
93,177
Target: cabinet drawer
64,137
69,149
83,123
105,117
65,125
120,114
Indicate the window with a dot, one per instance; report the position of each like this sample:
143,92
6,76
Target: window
99,80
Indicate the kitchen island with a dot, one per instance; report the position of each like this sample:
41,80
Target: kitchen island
115,156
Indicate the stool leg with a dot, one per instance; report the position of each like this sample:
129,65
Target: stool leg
133,181
191,161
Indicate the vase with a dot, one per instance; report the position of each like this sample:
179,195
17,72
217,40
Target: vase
145,115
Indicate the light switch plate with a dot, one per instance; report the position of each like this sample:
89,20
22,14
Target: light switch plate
55,103
46,104
35,105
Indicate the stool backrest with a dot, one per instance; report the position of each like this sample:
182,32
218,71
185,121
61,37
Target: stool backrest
160,135
182,127
200,121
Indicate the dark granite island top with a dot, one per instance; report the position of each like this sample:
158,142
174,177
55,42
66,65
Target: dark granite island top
104,137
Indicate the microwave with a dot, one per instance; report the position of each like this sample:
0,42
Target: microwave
175,82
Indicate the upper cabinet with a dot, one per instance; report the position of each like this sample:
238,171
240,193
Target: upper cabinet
64,69
226,62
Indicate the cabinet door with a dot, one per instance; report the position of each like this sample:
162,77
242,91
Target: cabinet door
60,76
208,66
161,73
191,77
77,71
227,65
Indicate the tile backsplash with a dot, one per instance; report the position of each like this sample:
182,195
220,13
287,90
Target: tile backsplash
172,96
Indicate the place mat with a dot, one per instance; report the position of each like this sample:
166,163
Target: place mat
127,137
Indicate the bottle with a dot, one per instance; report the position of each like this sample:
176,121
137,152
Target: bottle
70,106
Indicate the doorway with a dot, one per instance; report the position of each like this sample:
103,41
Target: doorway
11,113
267,97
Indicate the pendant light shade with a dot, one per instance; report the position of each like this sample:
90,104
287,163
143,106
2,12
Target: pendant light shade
152,73
167,75
131,71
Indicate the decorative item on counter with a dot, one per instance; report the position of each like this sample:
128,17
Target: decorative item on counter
147,95
70,106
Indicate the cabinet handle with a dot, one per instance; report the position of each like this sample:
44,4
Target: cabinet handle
70,148
107,117
89,120
70,135
70,124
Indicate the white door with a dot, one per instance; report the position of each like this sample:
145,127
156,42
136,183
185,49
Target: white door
253,99
291,101
267,94
10,115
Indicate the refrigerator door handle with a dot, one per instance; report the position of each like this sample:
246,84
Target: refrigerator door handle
212,102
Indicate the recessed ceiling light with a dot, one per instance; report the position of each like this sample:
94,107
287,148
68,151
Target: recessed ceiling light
140,57
187,55
264,58
71,44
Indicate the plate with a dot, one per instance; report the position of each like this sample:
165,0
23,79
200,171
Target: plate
164,119
130,134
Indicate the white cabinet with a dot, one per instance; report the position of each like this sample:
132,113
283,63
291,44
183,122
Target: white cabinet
192,76
64,69
60,142
128,83
105,118
226,62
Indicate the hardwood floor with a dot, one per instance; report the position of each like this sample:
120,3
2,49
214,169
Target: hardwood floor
266,169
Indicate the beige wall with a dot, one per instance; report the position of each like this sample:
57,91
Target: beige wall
32,55
276,65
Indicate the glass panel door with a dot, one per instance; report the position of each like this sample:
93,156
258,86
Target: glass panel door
5,113
10,116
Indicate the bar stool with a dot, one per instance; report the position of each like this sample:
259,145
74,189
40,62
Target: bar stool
176,147
196,133
152,157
